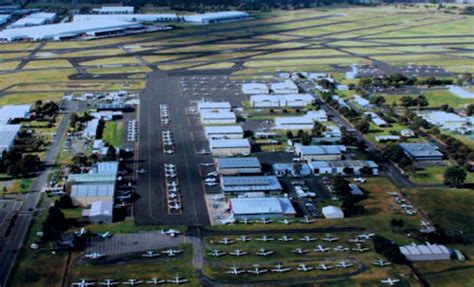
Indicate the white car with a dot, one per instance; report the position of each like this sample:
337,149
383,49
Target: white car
360,179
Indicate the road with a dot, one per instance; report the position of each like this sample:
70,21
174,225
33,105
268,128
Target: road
14,242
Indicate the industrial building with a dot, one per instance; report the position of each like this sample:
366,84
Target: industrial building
268,207
305,122
448,121
90,131
101,212
114,10
428,252
360,101
280,101
461,92
86,194
223,132
208,118
4,18
11,113
127,18
229,147
245,184
217,17
255,89
319,152
214,107
387,138
332,212
286,87
291,169
34,19
422,151
378,121
238,165
342,167
8,134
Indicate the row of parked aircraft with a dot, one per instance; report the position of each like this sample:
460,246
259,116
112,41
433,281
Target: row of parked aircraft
264,220
307,238
147,254
132,282
280,268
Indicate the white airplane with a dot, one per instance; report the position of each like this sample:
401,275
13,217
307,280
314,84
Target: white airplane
390,281
330,238
321,248
344,264
340,248
124,197
171,232
356,240
286,221
244,238
169,165
210,180
307,220
216,253
285,238
324,267
366,236
81,232
381,263
203,152
155,281
359,248
307,238
105,235
132,282
83,283
265,238
122,204
173,184
226,241
264,252
280,269
299,251
172,252
211,183
245,221
213,173
170,174
238,253
175,206
177,280
172,196
235,271
264,220
150,254
108,282
94,255
256,270
304,268
206,163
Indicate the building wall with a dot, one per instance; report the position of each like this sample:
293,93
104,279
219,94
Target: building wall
225,135
321,157
217,121
237,171
230,151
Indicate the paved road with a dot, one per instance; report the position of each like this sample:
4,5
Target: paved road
15,241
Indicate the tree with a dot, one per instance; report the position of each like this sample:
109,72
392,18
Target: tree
406,102
421,101
470,110
377,100
363,126
341,186
289,134
389,249
318,129
111,153
55,224
73,119
454,175
64,201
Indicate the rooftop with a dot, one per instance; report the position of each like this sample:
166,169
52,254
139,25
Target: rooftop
320,149
229,143
223,129
92,190
101,208
250,183
262,205
238,162
423,149
427,249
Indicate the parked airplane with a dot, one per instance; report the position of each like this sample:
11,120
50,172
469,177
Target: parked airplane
344,264
238,252
285,238
330,238
280,269
381,263
340,248
177,280
359,248
94,255
245,221
244,238
321,248
81,232
105,235
83,283
307,238
132,282
366,236
171,232
235,271
304,268
264,220
356,240
108,282
216,253
264,252
265,238
172,252
390,281
299,251
256,270
150,254
307,220
175,206
324,267
286,221
155,281
226,241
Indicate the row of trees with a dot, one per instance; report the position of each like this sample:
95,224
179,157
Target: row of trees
18,164
350,203
396,154
397,80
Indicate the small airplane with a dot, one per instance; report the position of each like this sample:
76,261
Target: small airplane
344,264
304,268
265,238
142,171
83,283
285,238
307,220
244,238
81,232
122,204
176,206
105,235
330,238
390,281
321,248
299,251
324,267
245,221
356,240
108,282
340,248
238,253
94,255
203,152
359,248
307,238
171,232
155,281
286,221
211,183
226,241
173,184
172,252
256,270
235,271
264,220
264,252
212,173
132,282
124,197
381,263
206,163
150,254
216,253
280,269
366,236
177,280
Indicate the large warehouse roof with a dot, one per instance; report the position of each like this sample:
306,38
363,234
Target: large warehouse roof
92,190
223,129
126,17
33,19
249,183
216,17
11,112
262,205
8,134
239,162
229,143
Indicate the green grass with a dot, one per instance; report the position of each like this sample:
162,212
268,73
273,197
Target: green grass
113,133
434,175
21,186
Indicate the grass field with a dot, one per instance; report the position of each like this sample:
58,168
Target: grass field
434,175
113,132
21,186
436,98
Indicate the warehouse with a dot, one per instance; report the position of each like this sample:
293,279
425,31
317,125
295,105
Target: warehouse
214,107
229,147
286,87
255,89
101,212
34,19
291,169
422,151
387,138
332,212
208,118
85,194
428,252
217,17
11,113
361,101
90,131
103,172
305,122
114,10
276,101
8,134
245,184
238,165
223,132
127,18
319,152
343,167
4,18
378,121
268,207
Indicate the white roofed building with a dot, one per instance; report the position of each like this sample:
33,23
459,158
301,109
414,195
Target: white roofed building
248,184
238,165
114,10
10,113
34,19
8,135
286,87
4,18
170,17
229,147
214,107
218,118
276,101
332,212
342,167
86,194
320,152
224,132
256,207
378,121
302,122
216,17
101,212
428,252
255,89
